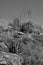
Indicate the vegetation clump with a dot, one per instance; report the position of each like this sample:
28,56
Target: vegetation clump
24,40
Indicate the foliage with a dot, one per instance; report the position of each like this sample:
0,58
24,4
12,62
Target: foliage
24,40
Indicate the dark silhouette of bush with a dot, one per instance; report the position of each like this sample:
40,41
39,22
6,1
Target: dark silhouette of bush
27,27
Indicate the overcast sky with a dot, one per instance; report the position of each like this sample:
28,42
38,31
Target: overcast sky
11,8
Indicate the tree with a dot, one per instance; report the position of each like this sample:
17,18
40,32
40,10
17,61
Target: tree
25,16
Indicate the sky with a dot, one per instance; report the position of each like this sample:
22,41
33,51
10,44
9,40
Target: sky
9,9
